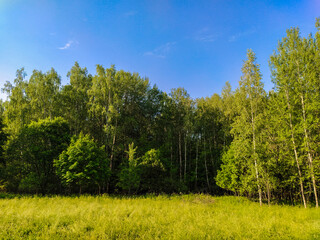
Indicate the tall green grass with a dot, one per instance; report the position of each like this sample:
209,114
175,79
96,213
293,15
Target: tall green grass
153,217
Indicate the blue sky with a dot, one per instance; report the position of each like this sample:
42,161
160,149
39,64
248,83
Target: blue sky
198,45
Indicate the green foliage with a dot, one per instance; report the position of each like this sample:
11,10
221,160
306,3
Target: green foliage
73,99
242,172
229,175
152,172
247,142
31,153
152,159
17,110
3,139
83,164
42,93
129,178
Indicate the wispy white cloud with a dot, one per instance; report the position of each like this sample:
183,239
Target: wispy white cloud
235,37
161,51
66,46
205,35
206,38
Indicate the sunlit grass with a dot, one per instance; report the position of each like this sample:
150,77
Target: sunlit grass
153,217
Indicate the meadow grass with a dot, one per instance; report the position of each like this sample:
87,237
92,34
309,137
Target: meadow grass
153,217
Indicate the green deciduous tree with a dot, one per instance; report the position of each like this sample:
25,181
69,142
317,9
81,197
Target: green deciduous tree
17,107
83,164
247,143
129,177
42,92
296,78
74,99
31,153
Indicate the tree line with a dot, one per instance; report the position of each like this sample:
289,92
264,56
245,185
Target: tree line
114,132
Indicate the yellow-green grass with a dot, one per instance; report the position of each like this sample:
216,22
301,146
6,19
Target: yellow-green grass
153,217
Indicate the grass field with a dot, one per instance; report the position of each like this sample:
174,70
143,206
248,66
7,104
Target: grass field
153,217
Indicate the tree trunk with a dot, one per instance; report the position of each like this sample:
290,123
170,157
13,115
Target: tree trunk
268,192
171,161
211,159
180,158
254,154
308,150
113,144
295,153
197,155
205,163
185,158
